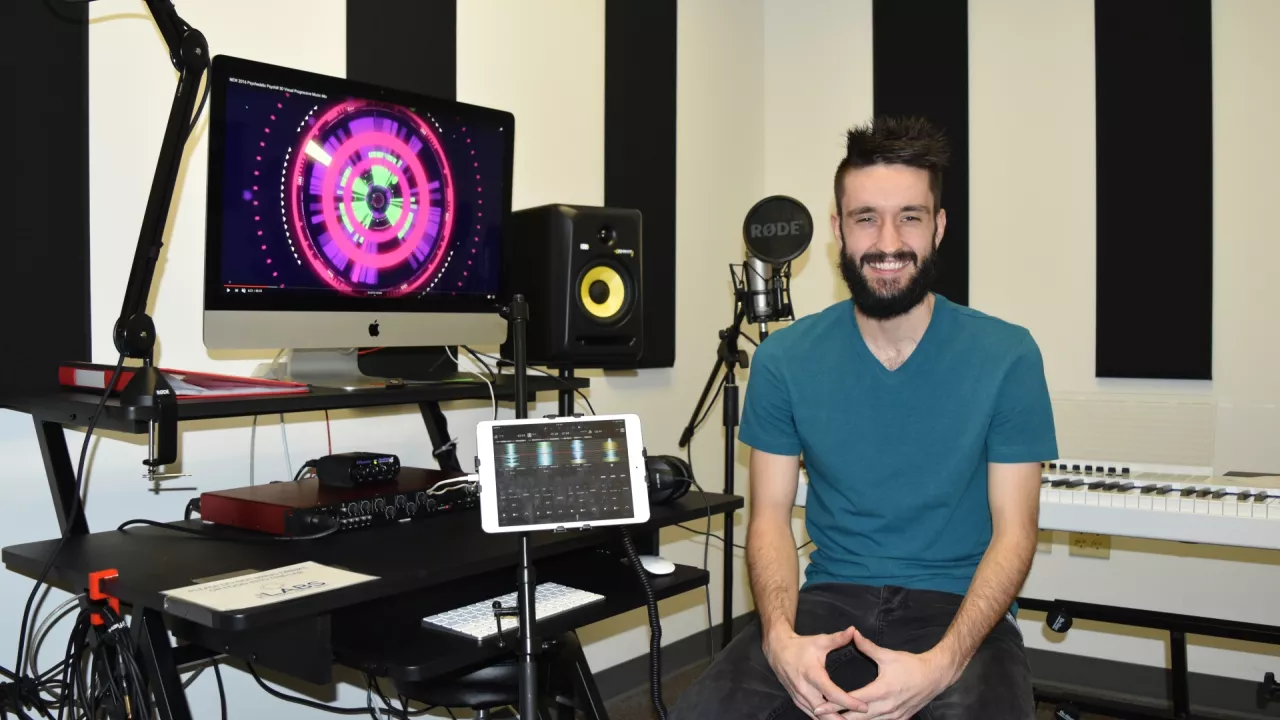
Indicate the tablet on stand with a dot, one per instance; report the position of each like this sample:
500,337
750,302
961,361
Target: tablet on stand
561,473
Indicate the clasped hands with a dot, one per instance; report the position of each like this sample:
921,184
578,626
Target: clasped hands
905,683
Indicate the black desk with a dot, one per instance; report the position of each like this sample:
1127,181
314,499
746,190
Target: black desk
422,566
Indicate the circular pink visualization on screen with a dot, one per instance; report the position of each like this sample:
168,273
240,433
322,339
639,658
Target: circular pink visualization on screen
371,198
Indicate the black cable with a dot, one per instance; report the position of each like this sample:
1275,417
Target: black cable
20,663
333,528
303,701
493,377
308,465
222,692
562,381
199,108
655,626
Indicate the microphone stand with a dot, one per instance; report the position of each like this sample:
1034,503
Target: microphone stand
134,333
729,357
517,315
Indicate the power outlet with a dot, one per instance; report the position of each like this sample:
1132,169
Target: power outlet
1090,545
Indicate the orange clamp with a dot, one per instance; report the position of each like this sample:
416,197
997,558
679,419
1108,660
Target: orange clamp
96,594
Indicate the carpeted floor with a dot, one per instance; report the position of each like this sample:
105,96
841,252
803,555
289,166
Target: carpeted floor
636,705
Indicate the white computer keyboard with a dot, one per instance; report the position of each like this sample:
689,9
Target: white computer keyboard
477,621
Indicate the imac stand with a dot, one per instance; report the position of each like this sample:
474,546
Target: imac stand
332,368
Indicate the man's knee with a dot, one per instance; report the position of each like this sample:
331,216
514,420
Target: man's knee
996,684
739,683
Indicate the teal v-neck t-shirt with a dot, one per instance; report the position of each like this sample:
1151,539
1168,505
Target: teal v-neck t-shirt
897,459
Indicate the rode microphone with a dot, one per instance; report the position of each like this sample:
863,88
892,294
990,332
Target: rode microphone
776,231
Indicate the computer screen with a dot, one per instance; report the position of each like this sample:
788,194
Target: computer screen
329,196
562,472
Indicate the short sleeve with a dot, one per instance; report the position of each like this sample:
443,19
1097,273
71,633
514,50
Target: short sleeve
1022,428
768,423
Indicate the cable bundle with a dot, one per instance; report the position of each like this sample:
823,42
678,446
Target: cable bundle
98,676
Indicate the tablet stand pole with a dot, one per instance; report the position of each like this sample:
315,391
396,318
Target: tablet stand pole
517,315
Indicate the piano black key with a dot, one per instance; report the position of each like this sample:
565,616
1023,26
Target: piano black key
1055,483
1261,496
1187,491
1148,489
1245,495
1075,483
1204,492
1044,479
1112,485
1097,484
1125,487
1219,493
1165,489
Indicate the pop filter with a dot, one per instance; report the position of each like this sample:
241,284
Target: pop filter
778,229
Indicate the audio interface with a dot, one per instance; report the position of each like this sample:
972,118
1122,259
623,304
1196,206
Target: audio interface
306,506
354,469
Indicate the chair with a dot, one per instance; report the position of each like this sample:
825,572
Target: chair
564,680
483,690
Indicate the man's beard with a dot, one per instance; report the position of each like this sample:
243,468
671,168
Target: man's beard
899,301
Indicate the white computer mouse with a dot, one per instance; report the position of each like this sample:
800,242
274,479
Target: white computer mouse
657,565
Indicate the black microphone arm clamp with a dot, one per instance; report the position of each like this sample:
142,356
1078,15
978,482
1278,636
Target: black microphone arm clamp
135,332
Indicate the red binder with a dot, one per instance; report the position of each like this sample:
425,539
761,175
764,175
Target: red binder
186,385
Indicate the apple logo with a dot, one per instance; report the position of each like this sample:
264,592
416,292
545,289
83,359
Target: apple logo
373,329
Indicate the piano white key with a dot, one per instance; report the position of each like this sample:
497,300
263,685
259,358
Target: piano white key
1210,513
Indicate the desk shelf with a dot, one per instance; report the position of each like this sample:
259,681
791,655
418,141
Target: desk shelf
74,409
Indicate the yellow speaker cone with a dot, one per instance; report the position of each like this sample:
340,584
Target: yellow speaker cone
602,291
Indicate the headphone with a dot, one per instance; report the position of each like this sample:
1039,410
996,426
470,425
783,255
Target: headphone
667,477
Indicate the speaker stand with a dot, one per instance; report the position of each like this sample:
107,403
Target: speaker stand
729,357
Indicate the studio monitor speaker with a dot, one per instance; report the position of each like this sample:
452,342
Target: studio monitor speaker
580,270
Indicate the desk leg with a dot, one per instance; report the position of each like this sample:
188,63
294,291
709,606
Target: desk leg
584,682
152,637
62,477
1178,675
442,446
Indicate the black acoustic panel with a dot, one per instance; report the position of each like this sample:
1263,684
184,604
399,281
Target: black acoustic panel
920,67
1155,189
44,75
640,152
409,45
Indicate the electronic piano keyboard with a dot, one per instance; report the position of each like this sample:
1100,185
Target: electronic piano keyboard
1160,503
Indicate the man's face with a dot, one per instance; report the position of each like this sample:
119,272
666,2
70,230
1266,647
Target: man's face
890,237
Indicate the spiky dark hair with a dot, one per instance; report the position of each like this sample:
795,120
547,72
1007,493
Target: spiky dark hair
911,141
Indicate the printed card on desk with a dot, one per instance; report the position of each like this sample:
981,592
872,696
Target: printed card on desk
267,587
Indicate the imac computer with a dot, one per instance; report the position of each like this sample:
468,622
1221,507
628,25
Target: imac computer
344,215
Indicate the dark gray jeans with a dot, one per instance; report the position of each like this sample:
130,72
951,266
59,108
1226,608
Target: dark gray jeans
741,685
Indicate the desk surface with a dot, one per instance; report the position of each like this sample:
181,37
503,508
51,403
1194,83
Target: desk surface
75,408
404,557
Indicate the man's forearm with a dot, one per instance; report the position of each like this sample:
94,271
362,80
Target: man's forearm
1000,574
773,566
